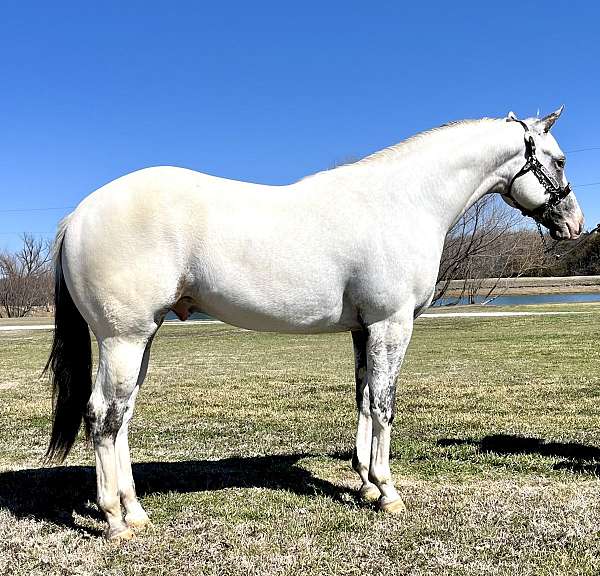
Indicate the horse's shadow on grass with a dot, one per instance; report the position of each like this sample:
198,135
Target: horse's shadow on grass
578,458
53,494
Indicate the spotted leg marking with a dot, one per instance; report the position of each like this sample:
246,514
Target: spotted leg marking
362,452
118,369
386,345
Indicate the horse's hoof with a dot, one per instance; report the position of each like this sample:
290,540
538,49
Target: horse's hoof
120,534
369,493
393,507
137,522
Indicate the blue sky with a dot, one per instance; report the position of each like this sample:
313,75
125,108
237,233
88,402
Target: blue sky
271,91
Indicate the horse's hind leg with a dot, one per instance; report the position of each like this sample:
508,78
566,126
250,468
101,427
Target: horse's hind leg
110,403
135,515
361,457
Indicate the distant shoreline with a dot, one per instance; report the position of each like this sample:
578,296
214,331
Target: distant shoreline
529,286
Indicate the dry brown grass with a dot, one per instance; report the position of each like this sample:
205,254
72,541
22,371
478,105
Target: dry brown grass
242,445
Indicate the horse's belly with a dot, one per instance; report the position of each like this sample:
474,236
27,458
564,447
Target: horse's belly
264,322
294,311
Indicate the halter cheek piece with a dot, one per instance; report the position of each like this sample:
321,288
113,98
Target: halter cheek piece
555,191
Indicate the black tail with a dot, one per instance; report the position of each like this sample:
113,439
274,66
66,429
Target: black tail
71,364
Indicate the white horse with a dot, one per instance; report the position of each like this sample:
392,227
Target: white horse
353,249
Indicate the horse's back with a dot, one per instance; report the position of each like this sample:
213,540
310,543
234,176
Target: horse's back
240,251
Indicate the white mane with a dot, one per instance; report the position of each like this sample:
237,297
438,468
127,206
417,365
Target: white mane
408,144
395,151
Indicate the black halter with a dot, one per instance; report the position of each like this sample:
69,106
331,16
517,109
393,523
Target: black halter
555,191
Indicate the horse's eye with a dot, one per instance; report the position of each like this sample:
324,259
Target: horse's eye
560,163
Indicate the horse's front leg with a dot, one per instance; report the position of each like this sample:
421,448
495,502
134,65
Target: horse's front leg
386,345
361,458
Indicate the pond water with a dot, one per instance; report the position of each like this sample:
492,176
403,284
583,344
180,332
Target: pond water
195,316
511,300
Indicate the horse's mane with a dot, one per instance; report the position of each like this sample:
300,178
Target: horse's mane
394,149
404,145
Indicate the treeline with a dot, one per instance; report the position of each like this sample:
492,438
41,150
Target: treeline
492,240
578,258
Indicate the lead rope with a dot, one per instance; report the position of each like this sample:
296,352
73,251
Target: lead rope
549,249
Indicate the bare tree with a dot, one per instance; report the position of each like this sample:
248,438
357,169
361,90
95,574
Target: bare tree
26,278
490,241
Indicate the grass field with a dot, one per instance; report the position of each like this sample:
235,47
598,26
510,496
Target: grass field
242,443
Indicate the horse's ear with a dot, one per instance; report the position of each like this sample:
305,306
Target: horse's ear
546,123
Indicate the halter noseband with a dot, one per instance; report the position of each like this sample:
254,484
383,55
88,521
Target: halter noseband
555,191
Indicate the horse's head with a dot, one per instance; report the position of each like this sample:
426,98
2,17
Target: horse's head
539,187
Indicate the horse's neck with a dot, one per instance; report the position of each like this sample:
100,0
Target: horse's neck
442,172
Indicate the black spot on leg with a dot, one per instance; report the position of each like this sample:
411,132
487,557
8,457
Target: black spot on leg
392,402
108,424
113,418
384,402
359,395
91,422
355,462
88,420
